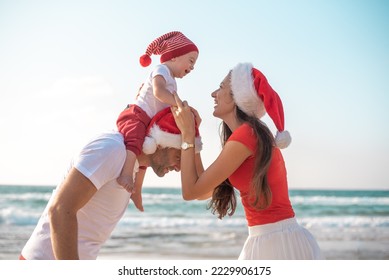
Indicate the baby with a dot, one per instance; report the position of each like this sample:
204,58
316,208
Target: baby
178,57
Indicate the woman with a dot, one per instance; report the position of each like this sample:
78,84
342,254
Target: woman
251,162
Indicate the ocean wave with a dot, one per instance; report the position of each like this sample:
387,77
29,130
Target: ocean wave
24,205
17,216
334,200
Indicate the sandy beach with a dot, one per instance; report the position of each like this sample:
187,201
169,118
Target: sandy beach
200,249
352,250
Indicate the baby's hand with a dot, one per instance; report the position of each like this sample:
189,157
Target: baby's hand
127,182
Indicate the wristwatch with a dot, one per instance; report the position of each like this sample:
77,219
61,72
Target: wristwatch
186,146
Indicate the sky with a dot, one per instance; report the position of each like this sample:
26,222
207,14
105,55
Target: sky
67,69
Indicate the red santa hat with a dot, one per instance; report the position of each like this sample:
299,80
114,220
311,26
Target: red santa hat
169,45
163,131
254,96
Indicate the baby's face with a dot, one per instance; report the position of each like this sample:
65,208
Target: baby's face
184,64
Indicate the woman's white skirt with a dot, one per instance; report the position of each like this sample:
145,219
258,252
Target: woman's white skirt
283,240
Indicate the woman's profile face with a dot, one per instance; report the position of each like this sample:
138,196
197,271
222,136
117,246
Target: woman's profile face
224,101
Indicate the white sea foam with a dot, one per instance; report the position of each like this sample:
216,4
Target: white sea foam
335,200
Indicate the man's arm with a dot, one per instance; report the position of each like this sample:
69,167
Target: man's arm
73,194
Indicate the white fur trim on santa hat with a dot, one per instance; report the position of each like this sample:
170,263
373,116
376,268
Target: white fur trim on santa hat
244,93
283,139
158,137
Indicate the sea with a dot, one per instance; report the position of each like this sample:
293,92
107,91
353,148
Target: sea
348,224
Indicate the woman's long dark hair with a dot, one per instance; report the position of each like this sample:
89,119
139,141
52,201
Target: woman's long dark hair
224,199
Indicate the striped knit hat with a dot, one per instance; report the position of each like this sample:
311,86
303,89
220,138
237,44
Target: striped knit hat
169,45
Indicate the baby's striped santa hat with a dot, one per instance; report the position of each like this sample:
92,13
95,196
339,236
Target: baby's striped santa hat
169,45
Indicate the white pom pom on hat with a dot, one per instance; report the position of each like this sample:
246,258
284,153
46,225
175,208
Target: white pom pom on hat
283,139
163,131
254,96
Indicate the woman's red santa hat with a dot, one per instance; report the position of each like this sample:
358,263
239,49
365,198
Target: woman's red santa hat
169,45
163,131
254,96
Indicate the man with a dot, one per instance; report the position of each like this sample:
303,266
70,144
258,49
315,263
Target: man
85,208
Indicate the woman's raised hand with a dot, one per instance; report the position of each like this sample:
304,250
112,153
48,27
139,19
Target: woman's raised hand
185,116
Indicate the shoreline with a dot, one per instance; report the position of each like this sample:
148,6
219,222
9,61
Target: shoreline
350,250
332,250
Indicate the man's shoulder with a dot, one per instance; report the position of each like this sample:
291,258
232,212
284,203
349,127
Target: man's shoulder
113,136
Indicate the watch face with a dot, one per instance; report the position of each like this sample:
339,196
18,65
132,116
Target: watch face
186,146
